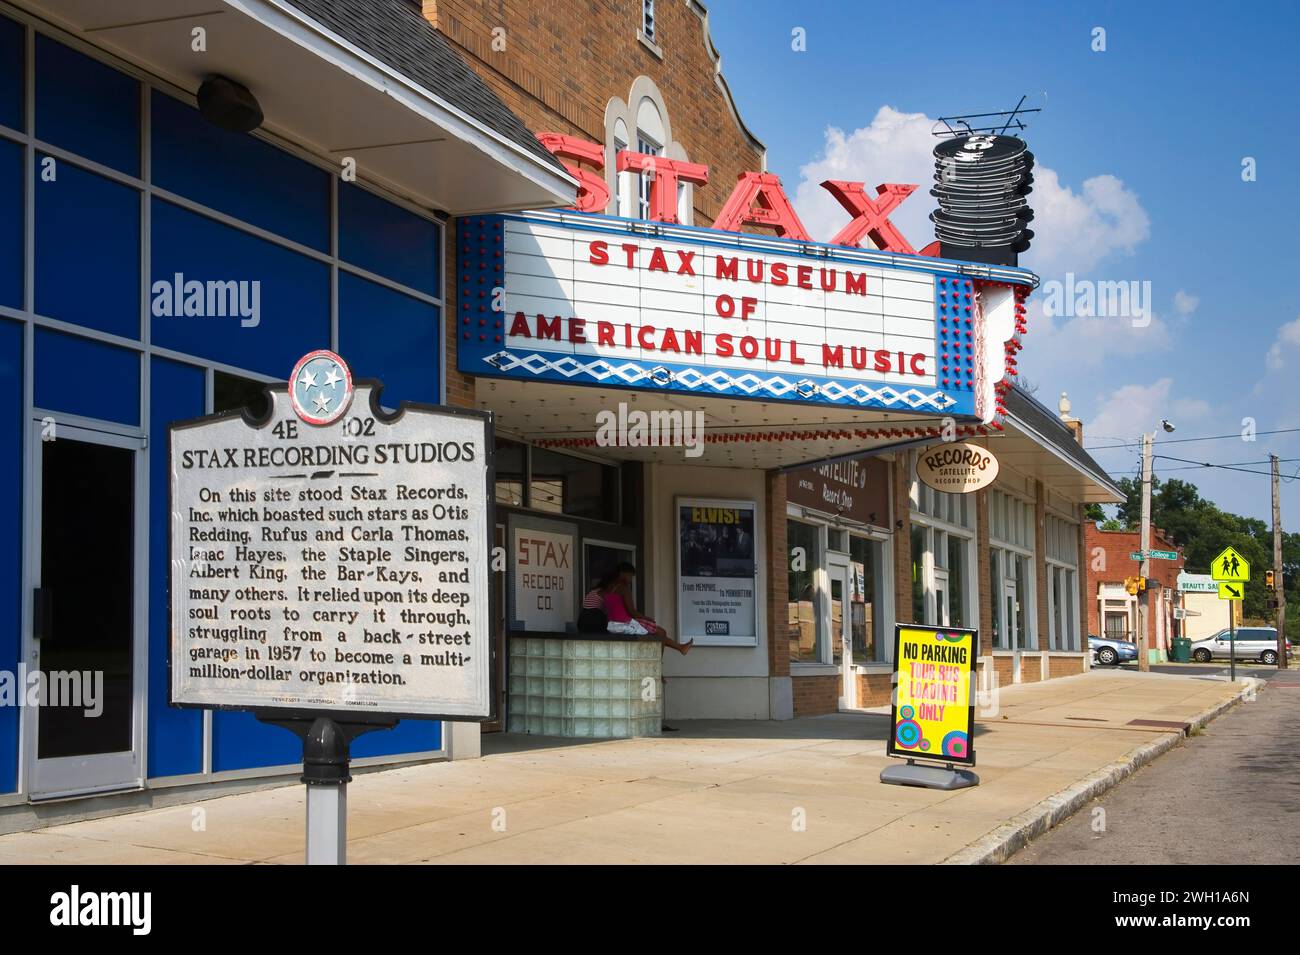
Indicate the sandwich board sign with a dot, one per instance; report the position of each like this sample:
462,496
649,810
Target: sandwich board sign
932,715
330,570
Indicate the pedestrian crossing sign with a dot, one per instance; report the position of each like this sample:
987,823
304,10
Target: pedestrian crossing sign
1230,566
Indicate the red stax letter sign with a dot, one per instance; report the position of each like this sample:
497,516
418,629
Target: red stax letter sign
774,209
870,218
664,176
594,195
758,198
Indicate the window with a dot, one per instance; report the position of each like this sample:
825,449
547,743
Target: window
648,148
648,19
1062,544
578,487
805,634
957,574
230,392
511,466
866,568
1011,531
919,614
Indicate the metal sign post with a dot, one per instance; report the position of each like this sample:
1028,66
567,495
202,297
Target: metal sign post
326,771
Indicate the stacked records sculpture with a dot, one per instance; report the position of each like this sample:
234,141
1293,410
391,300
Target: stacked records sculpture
981,182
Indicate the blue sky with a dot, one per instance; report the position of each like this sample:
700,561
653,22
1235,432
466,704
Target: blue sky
1139,179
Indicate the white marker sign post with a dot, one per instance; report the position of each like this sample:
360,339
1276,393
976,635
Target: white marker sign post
329,570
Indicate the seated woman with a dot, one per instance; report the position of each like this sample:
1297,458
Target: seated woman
620,606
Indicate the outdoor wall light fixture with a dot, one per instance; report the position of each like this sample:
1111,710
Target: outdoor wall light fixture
230,105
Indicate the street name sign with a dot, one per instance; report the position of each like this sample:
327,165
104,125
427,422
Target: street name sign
1230,566
332,558
1163,554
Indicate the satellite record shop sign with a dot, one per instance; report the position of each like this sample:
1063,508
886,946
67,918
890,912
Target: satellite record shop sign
333,557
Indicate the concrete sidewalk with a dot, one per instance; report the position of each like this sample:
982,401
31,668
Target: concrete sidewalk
715,792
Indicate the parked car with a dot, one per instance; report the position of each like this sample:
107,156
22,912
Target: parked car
1253,643
1111,652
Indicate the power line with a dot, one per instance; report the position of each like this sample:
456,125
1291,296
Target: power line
1213,437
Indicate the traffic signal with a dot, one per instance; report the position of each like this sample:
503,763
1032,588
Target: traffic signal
1134,585
1268,580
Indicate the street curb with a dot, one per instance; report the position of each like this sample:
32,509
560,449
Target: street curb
1003,842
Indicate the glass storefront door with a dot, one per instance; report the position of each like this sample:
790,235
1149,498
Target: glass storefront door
841,622
87,635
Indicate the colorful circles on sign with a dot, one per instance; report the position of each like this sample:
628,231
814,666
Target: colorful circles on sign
907,734
956,744
951,637
925,745
906,712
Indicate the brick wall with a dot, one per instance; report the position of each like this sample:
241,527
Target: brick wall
778,579
815,695
1065,666
563,62
901,484
875,689
1107,556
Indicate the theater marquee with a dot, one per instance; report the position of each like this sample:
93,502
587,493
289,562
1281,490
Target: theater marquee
586,299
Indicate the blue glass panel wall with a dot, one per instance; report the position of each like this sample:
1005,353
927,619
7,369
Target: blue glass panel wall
291,294
177,392
87,107
11,224
84,377
88,250
11,524
390,336
239,175
239,741
11,73
409,736
384,238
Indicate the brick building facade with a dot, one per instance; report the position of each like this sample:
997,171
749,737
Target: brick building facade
1111,611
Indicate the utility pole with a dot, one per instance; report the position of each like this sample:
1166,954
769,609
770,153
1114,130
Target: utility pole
1144,597
1279,582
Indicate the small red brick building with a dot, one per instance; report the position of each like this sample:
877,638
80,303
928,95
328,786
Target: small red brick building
1112,612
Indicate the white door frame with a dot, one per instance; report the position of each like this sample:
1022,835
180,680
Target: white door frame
839,567
76,775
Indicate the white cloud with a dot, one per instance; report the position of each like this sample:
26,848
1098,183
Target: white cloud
1129,410
1288,336
896,147
1072,231
1185,303
1058,344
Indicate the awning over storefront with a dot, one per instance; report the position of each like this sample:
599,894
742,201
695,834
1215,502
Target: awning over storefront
368,80
732,433
1038,444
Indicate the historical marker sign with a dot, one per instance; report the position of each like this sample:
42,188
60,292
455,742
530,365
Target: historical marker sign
339,568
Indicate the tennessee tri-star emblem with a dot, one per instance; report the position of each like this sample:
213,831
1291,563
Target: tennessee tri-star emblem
320,387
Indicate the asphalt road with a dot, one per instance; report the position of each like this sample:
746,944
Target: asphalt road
1228,795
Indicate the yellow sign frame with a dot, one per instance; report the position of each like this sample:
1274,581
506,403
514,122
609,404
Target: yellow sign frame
932,714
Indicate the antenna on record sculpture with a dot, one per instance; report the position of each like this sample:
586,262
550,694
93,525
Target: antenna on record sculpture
996,123
982,177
